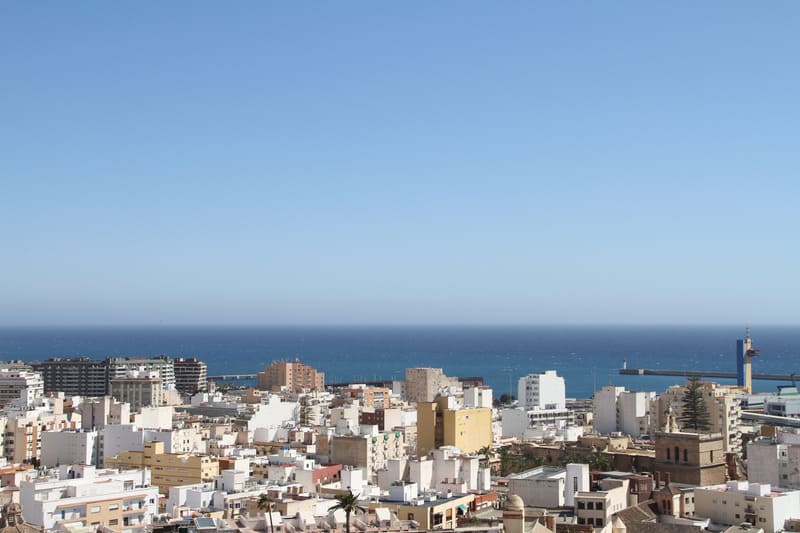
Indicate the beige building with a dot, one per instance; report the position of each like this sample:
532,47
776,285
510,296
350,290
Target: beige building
693,458
22,433
722,404
443,423
596,508
757,504
433,512
294,375
424,384
168,469
138,391
368,451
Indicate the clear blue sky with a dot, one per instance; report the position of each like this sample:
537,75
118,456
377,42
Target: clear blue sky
404,162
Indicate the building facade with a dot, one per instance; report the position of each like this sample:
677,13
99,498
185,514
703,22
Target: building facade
293,375
736,502
21,386
425,384
541,391
168,469
191,375
443,423
144,391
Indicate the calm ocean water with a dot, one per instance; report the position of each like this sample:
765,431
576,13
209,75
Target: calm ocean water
587,357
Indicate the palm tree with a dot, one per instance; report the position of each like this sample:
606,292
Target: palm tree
348,503
266,503
486,452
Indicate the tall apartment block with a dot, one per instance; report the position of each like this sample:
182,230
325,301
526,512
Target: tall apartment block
92,377
293,375
542,391
121,367
191,375
74,376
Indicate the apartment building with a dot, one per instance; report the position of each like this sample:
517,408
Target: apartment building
292,375
774,463
80,495
443,423
370,451
758,504
21,386
615,409
82,376
191,375
79,376
544,391
138,389
167,469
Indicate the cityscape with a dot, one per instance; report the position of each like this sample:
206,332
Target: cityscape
158,444
399,267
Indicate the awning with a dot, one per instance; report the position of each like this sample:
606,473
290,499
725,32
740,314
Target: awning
463,508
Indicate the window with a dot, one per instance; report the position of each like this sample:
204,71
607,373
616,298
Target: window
95,509
581,505
113,522
113,507
599,506
598,522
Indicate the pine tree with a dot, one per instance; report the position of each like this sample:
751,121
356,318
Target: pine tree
694,413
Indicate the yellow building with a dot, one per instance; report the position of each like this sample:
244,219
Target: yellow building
443,423
168,469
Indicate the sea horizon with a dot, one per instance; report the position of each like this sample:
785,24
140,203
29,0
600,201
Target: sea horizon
588,357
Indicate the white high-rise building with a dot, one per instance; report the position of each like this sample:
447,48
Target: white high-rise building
542,391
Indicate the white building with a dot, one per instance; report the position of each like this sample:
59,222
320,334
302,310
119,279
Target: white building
69,447
542,391
116,439
604,409
596,508
528,425
550,487
758,504
82,496
776,463
615,409
20,386
97,413
478,397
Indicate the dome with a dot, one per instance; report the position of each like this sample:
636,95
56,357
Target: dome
514,503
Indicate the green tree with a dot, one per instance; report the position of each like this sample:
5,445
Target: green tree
348,503
694,414
486,453
265,504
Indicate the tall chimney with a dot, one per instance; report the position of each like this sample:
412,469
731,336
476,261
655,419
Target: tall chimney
668,480
657,478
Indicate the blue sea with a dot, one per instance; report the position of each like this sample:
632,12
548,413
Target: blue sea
587,357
